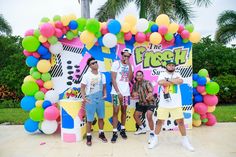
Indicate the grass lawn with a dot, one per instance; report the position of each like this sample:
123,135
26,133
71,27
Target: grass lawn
225,113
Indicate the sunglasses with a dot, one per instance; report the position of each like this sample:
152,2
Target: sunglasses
93,63
126,56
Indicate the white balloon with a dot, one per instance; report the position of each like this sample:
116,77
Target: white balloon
56,48
52,96
49,127
142,25
109,40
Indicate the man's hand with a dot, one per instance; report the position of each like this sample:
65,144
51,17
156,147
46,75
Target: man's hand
104,97
135,94
85,100
121,97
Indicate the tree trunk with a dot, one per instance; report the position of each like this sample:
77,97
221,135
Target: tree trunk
85,9
143,9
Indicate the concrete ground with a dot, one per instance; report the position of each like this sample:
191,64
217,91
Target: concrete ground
216,141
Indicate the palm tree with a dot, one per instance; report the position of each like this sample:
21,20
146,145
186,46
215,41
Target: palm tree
176,9
85,8
226,31
5,28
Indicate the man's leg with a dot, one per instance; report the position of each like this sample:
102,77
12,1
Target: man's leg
116,106
137,114
123,120
101,115
90,111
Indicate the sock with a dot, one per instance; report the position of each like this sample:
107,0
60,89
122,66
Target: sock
115,130
89,134
122,127
141,126
185,138
152,132
100,131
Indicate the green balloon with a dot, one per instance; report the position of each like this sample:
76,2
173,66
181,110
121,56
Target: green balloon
185,41
204,120
36,75
45,19
29,88
56,18
69,35
196,116
36,33
195,84
203,73
39,95
36,114
189,28
212,88
93,26
33,69
52,40
168,36
98,34
120,36
81,23
46,77
149,27
30,43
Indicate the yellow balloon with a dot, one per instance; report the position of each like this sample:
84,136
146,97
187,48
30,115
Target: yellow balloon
195,37
133,30
71,17
173,28
29,78
42,39
102,24
211,108
75,32
163,20
131,19
87,37
52,23
65,20
43,66
39,103
155,38
48,84
125,27
208,79
197,123
204,93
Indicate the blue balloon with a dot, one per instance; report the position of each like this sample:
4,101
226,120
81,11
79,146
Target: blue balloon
195,77
195,92
178,39
27,103
46,104
31,126
31,61
201,81
73,25
47,56
198,98
42,50
132,40
100,41
114,26
154,28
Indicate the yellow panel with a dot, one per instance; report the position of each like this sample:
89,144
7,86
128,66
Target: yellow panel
107,63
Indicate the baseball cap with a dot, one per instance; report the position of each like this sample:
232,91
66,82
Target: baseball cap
127,50
170,62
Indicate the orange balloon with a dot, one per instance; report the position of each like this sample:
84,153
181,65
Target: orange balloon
155,38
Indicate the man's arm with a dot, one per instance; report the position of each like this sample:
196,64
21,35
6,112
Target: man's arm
176,80
82,89
130,72
114,83
104,91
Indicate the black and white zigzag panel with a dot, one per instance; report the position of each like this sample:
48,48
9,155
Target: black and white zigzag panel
187,108
185,71
72,49
56,71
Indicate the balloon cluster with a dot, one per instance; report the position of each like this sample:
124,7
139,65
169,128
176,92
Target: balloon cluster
204,99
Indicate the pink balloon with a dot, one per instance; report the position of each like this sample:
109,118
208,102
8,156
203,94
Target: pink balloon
47,30
51,113
36,55
185,34
148,36
210,100
140,37
181,28
203,116
26,53
200,108
44,90
40,82
29,32
128,36
201,89
163,30
59,24
58,33
46,44
64,31
211,119
67,28
104,30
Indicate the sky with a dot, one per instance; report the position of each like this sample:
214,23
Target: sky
26,14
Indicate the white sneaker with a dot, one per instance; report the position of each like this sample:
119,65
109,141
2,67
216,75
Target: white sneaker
140,131
187,145
151,135
153,142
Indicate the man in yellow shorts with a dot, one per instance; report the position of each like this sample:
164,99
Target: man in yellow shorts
170,103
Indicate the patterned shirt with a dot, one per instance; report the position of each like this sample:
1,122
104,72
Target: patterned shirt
143,88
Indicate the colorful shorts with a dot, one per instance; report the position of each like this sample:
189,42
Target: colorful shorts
116,100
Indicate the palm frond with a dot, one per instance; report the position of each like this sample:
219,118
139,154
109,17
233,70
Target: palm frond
182,11
200,3
226,33
5,28
227,17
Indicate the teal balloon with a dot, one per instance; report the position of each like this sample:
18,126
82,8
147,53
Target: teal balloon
30,125
203,73
212,88
30,43
29,88
36,114
93,26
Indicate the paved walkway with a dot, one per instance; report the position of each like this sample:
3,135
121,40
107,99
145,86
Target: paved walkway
216,141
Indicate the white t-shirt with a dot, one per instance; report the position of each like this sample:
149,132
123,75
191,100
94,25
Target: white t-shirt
173,90
122,78
92,82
